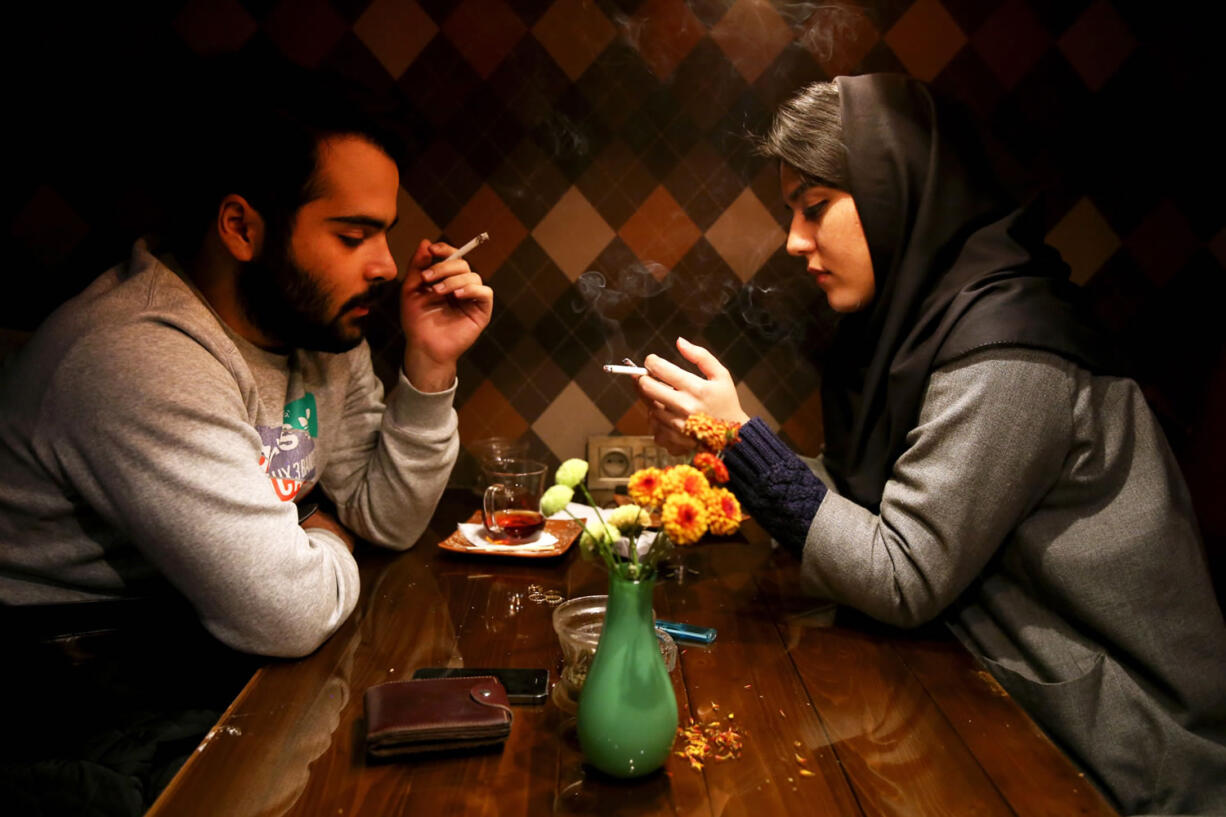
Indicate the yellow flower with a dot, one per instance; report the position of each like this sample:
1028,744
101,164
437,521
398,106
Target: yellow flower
723,512
712,466
685,479
647,488
684,518
627,516
712,434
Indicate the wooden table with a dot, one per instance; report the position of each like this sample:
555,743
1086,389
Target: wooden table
887,723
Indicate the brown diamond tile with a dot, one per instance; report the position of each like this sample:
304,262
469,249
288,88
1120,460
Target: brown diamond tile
439,81
616,84
573,233
703,285
529,82
634,422
706,84
765,185
612,394
703,184
1085,240
411,227
486,212
528,378
528,182
660,231
925,39
574,32
489,414
440,181
804,429
616,183
746,235
214,26
484,32
395,31
1162,243
663,31
1011,41
839,35
305,30
1097,44
754,407
752,34
570,419
529,282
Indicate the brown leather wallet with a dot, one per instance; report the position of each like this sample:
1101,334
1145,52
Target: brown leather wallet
435,714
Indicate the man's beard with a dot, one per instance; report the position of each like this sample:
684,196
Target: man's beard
289,305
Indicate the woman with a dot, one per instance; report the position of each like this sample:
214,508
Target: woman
984,460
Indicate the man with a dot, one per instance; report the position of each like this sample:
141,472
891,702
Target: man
157,428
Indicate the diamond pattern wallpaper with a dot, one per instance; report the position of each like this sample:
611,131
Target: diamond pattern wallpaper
604,146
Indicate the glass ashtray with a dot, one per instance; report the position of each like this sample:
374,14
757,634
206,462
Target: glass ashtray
578,623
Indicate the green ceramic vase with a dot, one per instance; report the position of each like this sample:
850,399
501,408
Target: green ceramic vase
627,708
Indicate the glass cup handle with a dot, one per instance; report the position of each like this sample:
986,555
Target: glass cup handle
490,504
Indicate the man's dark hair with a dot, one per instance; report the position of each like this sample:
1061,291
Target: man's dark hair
806,134
255,131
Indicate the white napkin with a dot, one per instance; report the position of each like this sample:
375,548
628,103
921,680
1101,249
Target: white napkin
474,532
588,514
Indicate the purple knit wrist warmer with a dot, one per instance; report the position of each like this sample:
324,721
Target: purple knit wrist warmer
773,485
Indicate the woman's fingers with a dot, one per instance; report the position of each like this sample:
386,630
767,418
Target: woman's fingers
660,393
706,362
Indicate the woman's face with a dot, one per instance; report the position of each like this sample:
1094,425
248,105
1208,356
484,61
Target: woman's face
826,232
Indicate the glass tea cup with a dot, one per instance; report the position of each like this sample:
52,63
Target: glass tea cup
511,507
578,623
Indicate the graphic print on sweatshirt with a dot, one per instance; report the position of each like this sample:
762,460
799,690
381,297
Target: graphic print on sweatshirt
288,450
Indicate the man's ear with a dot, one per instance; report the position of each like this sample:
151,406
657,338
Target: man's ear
240,227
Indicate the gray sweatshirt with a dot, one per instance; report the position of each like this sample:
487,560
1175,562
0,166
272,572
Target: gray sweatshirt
1041,507
141,442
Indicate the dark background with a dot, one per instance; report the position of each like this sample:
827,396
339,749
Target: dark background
608,136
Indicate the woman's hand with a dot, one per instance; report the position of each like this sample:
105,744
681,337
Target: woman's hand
673,394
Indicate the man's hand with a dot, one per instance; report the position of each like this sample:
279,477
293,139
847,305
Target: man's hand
672,394
443,308
325,520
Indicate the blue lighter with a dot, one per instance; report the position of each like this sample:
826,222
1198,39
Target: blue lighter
687,632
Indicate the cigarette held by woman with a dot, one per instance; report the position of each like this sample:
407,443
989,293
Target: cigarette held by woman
614,368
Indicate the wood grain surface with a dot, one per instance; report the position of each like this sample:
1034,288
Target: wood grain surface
839,716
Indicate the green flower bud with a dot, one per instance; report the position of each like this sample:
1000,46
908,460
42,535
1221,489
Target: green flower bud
555,499
594,534
571,472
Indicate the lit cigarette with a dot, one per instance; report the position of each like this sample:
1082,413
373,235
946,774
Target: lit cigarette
613,368
467,248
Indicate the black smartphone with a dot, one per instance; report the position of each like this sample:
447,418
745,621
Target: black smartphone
523,685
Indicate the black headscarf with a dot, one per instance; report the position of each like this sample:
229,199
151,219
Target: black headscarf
957,269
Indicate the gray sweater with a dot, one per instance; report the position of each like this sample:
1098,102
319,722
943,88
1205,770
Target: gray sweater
141,442
1040,508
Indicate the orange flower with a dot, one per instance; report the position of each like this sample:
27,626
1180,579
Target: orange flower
723,512
712,466
646,487
712,434
685,479
684,518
